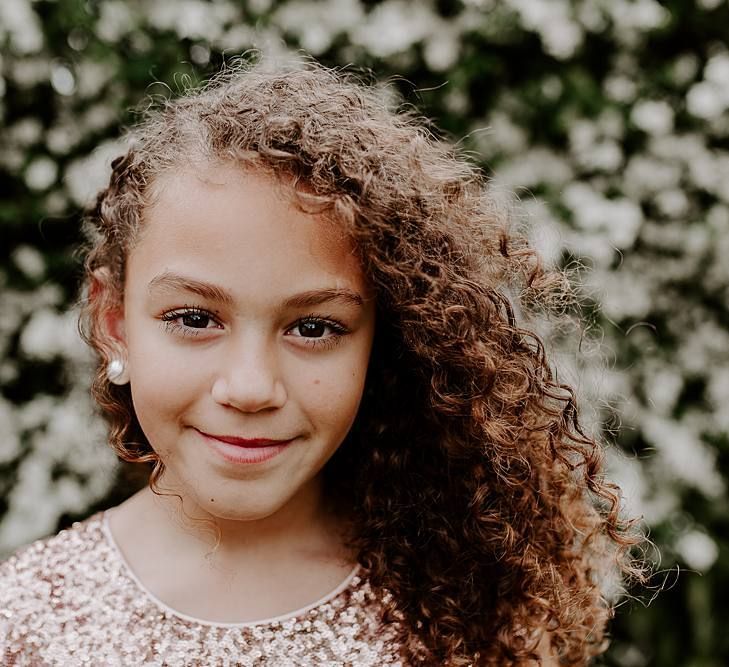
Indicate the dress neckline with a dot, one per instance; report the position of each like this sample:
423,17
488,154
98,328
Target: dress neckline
111,541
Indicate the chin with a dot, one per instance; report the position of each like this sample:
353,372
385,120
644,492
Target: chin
248,511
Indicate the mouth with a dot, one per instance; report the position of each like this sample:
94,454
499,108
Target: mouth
244,450
247,442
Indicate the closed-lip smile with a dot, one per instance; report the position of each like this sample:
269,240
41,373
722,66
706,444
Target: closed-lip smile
247,442
244,451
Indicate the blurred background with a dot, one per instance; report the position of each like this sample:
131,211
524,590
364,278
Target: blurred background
608,118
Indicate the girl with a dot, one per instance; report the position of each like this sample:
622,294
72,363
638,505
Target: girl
357,457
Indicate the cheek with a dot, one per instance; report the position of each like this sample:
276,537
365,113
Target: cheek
332,394
164,385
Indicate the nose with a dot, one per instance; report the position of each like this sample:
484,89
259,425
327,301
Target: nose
249,379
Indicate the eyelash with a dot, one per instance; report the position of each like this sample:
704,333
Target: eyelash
168,320
328,342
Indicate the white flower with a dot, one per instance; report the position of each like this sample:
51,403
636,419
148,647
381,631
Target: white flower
610,124
718,395
709,4
625,297
662,386
703,172
60,441
21,23
25,132
394,26
697,550
91,76
41,173
86,176
718,218
719,185
49,334
35,413
545,234
200,54
553,22
684,68
705,100
64,430
552,87
30,261
192,19
582,135
62,138
645,176
639,499
30,71
620,219
630,16
681,452
593,245
62,79
591,16
259,6
115,20
561,37
9,432
620,88
99,116
441,50
317,24
501,135
594,144
716,71
8,371
672,203
653,116
718,387
31,513
539,165
605,155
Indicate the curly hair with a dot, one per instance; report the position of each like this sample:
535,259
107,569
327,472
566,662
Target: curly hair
477,497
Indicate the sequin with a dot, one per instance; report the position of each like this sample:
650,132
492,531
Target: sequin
72,600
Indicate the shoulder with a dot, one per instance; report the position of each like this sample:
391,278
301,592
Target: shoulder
51,559
38,580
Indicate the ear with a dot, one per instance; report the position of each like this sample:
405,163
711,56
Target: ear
108,311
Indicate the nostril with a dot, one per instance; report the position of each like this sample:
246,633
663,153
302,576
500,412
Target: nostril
250,393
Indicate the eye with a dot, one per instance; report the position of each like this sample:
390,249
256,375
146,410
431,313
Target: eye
312,328
316,331
188,321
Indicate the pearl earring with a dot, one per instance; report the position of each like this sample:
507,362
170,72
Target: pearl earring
116,371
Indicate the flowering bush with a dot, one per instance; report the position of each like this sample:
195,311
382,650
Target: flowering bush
608,118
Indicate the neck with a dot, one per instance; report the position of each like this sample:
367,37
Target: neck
257,569
302,528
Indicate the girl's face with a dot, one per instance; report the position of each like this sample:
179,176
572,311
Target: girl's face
243,318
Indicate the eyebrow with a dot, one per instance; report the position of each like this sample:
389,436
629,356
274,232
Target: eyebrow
169,281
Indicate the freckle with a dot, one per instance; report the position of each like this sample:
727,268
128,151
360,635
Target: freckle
316,381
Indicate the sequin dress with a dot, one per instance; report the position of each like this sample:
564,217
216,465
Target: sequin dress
72,600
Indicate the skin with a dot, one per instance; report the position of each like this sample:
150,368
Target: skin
254,364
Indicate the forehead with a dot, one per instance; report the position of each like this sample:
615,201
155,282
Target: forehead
241,228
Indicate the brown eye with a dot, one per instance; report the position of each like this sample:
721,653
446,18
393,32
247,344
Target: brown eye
195,320
312,329
316,332
190,321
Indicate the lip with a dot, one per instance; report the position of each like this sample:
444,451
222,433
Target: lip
244,450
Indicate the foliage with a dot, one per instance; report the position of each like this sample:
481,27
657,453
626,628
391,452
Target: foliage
608,117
